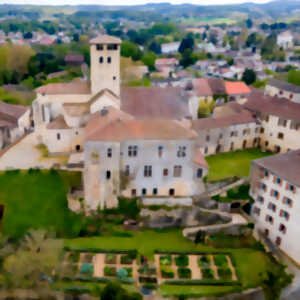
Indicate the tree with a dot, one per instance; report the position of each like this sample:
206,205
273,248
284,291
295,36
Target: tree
249,76
203,110
129,49
249,23
188,58
114,291
155,47
149,61
187,43
39,255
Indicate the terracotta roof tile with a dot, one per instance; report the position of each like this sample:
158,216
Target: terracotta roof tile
285,165
12,110
236,88
58,123
122,130
283,85
212,123
75,87
105,39
201,87
258,102
155,102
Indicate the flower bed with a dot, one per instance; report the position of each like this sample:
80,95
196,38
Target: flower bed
165,260
225,273
143,279
221,260
204,261
127,259
87,269
110,271
146,270
182,260
167,272
129,272
88,257
74,257
207,273
184,273
111,259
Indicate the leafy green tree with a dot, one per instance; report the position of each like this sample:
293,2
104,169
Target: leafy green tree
155,47
114,291
203,110
129,49
149,61
188,58
249,76
249,23
187,43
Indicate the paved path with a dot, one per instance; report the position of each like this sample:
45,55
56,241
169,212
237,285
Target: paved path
193,265
25,155
236,219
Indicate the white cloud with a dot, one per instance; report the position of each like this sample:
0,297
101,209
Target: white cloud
126,2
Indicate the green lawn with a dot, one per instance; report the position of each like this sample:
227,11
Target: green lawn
225,165
38,200
196,290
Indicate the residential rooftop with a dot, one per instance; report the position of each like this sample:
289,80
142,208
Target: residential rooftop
285,166
286,86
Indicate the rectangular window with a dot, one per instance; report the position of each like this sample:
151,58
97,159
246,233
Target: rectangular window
155,191
266,173
177,171
207,138
109,60
99,47
166,172
58,136
256,210
272,206
181,151
144,192
260,199
132,151
269,219
280,135
109,152
147,171
108,175
112,47
101,59
284,214
278,180
199,173
282,228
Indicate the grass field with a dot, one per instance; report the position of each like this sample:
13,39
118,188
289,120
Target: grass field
37,200
207,20
225,165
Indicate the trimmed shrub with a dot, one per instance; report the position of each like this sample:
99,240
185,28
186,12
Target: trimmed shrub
146,270
182,260
77,290
88,258
167,272
208,273
203,282
165,260
184,273
86,268
225,273
110,271
127,259
149,286
143,279
221,260
129,272
111,259
122,273
204,261
74,257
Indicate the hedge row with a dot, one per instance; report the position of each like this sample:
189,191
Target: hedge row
98,250
97,279
192,252
214,282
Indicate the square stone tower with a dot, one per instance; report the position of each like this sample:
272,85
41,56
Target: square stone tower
105,64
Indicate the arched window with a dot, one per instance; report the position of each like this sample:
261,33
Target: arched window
109,60
101,59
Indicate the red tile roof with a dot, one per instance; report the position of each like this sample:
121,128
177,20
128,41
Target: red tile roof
105,39
122,130
201,87
155,102
199,159
236,88
212,123
11,110
58,123
75,87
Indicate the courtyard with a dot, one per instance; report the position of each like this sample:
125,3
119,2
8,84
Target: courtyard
232,164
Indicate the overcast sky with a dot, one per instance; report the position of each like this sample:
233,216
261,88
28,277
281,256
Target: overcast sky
124,2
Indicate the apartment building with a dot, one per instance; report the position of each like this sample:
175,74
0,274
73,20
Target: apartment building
275,187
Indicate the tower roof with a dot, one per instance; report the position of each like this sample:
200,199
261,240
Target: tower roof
105,39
